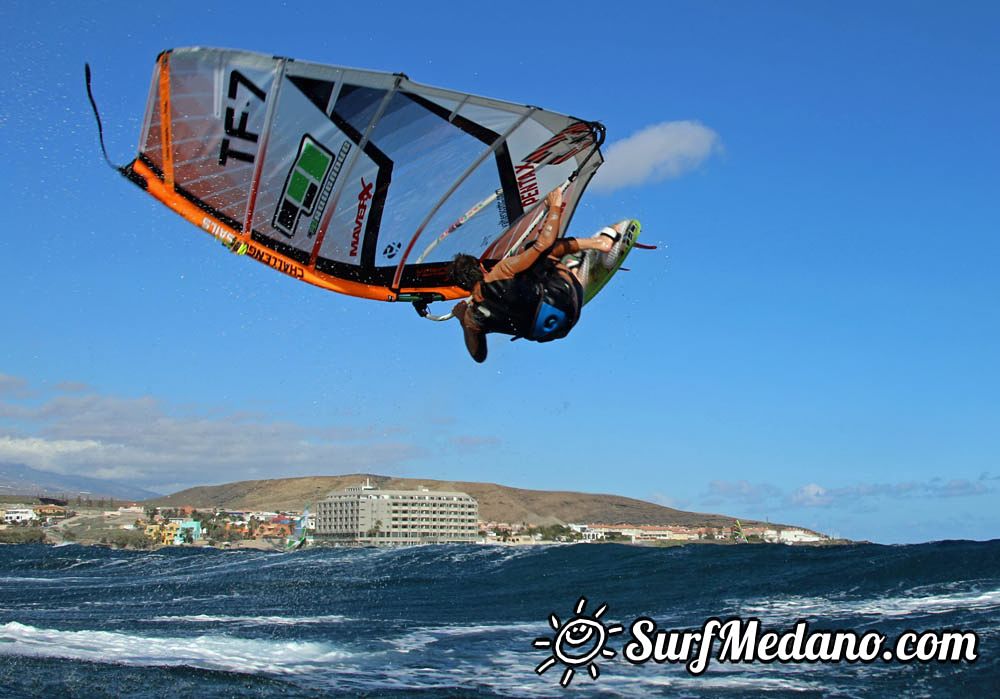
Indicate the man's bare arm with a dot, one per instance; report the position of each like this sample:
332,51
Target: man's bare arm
475,338
510,266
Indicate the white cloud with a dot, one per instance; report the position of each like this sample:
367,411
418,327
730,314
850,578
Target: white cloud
12,385
146,443
72,387
740,491
44,453
668,501
656,153
812,495
860,495
474,442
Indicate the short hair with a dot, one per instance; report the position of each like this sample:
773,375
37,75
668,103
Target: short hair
465,271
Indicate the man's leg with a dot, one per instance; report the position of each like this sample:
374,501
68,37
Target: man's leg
575,257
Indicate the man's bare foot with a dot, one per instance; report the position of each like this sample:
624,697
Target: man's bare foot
603,243
605,240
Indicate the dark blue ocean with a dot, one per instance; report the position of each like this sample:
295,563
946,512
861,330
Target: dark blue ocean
460,620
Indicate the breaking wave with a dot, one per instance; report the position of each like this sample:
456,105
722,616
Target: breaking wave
461,620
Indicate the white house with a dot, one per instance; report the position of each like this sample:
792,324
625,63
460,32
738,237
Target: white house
13,515
798,536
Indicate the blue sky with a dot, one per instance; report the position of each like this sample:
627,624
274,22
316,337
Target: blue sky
815,342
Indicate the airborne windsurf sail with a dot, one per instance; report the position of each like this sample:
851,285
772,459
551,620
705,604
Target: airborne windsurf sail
361,182
298,537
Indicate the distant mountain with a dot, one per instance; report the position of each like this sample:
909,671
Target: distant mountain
18,479
497,503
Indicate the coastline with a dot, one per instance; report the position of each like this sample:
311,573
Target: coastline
278,545
152,528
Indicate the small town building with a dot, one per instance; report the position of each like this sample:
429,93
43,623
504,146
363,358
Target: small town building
366,514
273,530
190,525
162,533
19,514
641,532
46,511
237,528
173,533
798,536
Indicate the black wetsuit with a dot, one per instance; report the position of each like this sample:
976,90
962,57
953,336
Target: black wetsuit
540,304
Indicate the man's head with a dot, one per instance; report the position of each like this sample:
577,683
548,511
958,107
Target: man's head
465,271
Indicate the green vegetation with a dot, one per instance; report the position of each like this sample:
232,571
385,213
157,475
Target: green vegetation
127,539
617,537
554,532
214,530
22,535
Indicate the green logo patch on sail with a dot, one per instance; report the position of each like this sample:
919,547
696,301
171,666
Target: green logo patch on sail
307,185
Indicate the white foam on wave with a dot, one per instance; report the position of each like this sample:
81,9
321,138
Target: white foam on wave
257,656
725,682
511,673
506,671
17,579
498,553
81,562
421,637
187,599
886,607
251,620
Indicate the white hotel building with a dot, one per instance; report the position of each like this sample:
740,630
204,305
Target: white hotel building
18,514
365,514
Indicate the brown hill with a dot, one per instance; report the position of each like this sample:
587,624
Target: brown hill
497,503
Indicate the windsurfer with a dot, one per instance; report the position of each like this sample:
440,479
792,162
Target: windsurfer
536,294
